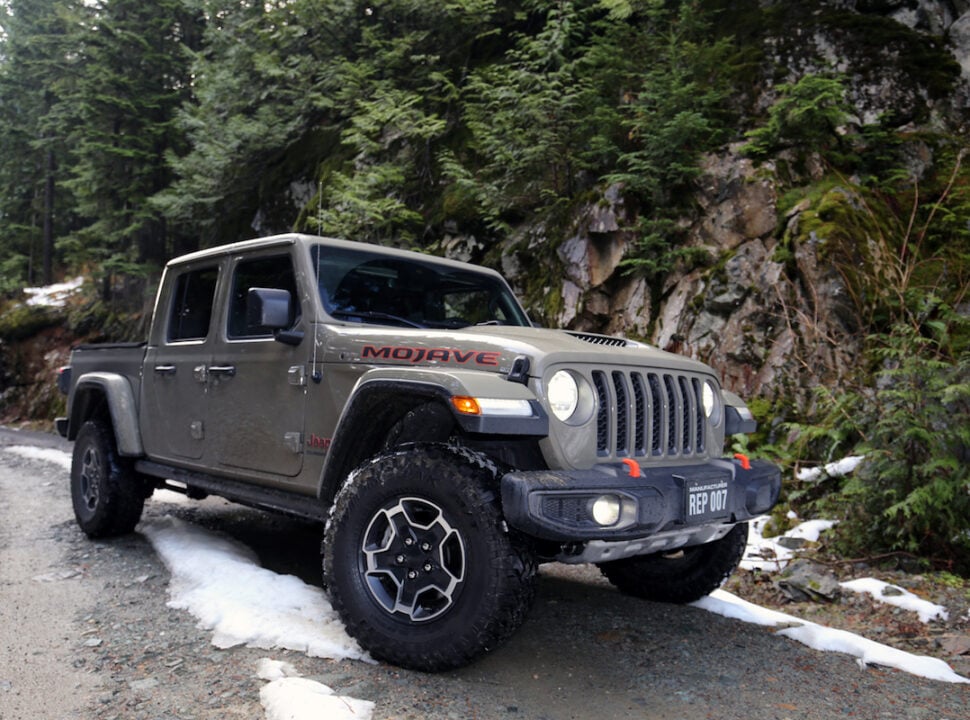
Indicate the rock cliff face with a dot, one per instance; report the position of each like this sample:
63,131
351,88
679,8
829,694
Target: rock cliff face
777,307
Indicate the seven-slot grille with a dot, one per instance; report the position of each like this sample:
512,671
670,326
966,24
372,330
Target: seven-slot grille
648,414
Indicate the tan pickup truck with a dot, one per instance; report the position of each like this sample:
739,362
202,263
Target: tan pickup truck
447,444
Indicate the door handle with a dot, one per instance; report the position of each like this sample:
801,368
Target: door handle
224,370
164,369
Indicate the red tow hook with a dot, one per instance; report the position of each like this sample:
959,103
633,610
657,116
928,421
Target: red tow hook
632,467
743,459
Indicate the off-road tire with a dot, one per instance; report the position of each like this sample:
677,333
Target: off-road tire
432,511
107,495
683,576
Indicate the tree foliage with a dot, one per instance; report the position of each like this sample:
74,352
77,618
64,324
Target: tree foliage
35,64
806,117
676,87
90,91
912,424
131,77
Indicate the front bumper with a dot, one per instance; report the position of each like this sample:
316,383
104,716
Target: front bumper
558,505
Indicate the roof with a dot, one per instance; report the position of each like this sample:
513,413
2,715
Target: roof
299,238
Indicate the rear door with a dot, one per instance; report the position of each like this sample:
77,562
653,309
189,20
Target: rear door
173,419
257,385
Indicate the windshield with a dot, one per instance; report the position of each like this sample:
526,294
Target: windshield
367,287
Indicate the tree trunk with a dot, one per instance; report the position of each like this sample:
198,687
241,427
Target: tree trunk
48,239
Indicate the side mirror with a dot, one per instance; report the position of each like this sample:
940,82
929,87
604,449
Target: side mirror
270,308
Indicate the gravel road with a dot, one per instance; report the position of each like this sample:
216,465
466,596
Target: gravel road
85,633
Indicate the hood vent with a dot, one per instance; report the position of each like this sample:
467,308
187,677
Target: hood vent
605,340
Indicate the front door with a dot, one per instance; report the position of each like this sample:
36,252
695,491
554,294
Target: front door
257,385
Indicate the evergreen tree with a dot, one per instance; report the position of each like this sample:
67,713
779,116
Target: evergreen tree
673,82
132,75
34,62
262,78
533,114
354,98
401,98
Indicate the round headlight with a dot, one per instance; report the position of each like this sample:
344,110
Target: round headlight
712,402
563,394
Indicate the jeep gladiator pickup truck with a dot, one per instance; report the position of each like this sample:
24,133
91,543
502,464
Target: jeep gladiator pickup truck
446,444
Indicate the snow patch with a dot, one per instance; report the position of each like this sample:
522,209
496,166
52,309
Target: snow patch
764,553
827,639
834,469
171,497
221,583
268,669
53,295
291,697
894,595
48,455
297,698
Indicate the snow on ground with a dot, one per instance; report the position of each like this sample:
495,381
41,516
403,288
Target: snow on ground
769,553
53,295
819,637
219,581
291,697
895,595
49,455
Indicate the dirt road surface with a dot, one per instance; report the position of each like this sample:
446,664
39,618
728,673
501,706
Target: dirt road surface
85,633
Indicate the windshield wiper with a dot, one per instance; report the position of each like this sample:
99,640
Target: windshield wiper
373,315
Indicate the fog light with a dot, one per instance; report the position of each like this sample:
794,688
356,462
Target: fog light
606,510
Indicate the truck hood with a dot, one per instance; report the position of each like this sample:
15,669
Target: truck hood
548,347
494,348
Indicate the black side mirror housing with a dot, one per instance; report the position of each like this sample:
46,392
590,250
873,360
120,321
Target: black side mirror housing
270,308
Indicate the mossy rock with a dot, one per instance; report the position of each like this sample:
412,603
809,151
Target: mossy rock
853,235
21,321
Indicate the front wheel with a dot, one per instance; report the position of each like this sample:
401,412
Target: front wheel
419,564
682,576
107,496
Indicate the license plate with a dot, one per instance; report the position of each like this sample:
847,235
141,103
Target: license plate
705,499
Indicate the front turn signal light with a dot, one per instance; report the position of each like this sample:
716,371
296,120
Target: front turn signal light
466,405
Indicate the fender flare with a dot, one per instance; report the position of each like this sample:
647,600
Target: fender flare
120,400
356,434
383,396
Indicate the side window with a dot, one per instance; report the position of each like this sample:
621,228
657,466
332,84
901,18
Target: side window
192,305
264,272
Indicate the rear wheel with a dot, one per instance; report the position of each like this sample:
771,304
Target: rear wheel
108,497
682,576
419,564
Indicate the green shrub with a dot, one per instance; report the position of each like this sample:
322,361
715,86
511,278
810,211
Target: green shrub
912,492
805,117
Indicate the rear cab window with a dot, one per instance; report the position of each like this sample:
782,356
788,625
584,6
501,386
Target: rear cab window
191,311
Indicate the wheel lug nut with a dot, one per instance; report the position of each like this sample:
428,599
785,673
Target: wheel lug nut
412,574
409,541
425,546
428,567
400,559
